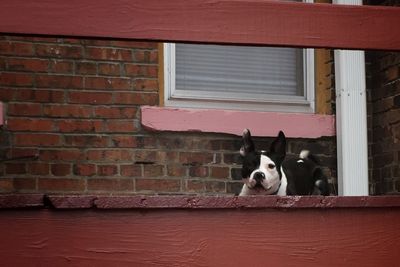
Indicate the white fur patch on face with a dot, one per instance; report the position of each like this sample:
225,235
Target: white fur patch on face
270,184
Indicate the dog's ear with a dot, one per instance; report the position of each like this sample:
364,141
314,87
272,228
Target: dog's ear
278,146
248,145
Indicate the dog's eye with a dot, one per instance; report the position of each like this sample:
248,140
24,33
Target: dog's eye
271,166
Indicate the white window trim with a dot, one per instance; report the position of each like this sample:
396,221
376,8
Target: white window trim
304,104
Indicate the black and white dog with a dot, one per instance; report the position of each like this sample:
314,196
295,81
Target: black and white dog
269,173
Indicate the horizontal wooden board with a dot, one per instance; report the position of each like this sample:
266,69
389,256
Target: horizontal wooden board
294,125
251,22
144,202
311,237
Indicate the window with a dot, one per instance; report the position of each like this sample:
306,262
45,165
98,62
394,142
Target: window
239,77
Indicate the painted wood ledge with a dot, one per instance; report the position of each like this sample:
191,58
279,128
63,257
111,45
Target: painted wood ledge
295,125
12,201
253,22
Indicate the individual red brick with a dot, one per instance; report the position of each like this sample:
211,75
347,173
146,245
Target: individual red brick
195,186
146,156
140,70
124,141
38,168
144,56
7,94
232,158
171,143
31,139
60,184
219,172
22,152
61,169
24,109
136,98
31,65
153,57
43,96
87,140
109,155
83,169
151,170
6,184
108,69
215,187
110,185
24,184
146,85
103,83
132,170
16,79
198,171
121,126
158,185
31,125
82,126
173,157
58,51
196,157
59,81
115,112
151,142
392,73
99,98
61,155
15,168
15,48
109,54
86,68
176,170
2,63
61,66
107,170
69,111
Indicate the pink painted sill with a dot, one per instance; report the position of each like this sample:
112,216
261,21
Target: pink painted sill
294,125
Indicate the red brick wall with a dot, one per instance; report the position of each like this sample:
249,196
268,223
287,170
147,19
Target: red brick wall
384,106
75,104
383,87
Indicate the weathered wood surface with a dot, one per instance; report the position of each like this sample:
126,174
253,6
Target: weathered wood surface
295,125
207,237
221,21
199,231
100,202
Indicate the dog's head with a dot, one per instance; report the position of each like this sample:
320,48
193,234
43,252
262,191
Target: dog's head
261,170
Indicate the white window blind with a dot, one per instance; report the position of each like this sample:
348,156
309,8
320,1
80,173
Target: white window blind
239,77
254,72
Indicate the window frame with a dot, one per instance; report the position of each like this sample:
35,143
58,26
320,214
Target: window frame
183,99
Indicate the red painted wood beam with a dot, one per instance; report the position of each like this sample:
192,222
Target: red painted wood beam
143,202
250,22
313,237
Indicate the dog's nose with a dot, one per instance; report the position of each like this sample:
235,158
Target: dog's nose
259,176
